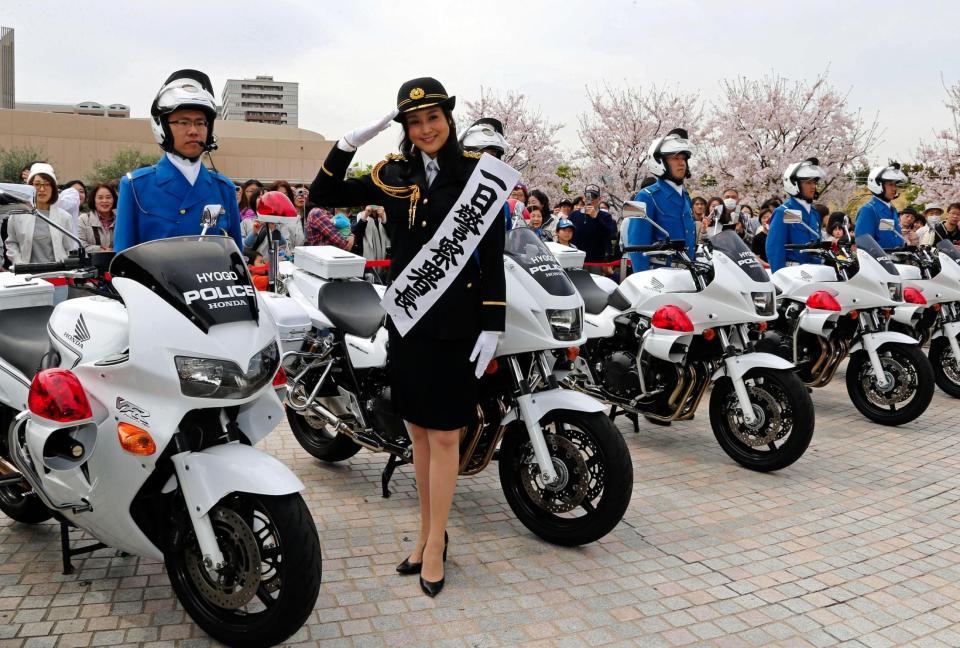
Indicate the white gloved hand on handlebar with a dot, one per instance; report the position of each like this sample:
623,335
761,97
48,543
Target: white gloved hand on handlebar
484,350
360,136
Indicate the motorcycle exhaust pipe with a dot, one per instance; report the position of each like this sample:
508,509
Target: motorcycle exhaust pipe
340,427
9,475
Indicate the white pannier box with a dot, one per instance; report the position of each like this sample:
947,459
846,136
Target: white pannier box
328,262
17,292
293,323
567,256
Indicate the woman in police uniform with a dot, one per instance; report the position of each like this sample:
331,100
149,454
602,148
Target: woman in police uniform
436,365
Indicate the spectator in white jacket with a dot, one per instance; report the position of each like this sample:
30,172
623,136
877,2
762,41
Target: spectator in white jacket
32,240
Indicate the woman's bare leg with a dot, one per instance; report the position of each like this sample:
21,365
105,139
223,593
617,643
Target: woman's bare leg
444,467
421,470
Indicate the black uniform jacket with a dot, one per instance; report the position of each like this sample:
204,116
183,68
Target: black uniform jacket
475,300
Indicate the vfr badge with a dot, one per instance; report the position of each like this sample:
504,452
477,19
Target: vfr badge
128,409
80,333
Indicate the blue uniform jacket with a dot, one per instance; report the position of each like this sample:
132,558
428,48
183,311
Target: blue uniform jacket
158,202
780,234
671,211
868,222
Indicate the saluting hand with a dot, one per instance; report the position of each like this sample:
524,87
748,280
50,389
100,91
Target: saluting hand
360,136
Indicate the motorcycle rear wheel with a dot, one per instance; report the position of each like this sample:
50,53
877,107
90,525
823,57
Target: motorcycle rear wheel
913,378
271,579
315,437
783,425
596,477
946,368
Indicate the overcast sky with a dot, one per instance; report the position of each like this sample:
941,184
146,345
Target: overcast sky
351,56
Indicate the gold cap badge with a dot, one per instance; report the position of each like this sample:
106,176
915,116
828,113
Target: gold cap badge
416,93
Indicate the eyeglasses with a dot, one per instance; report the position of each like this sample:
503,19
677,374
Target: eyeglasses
199,124
41,185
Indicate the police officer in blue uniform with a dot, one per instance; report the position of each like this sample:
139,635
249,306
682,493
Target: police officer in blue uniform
883,183
167,199
800,182
668,203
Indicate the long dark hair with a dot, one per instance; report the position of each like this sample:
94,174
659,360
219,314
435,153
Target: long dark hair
450,154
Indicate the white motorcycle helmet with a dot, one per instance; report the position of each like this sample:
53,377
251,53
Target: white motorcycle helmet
879,175
485,133
809,168
676,141
183,89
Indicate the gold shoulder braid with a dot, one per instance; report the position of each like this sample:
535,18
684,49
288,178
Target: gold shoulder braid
412,191
472,154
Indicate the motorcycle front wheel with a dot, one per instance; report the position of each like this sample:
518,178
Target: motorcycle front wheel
910,380
595,477
946,368
783,419
271,577
315,436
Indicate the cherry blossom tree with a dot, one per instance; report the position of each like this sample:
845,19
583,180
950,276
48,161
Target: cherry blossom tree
533,147
620,126
939,174
758,127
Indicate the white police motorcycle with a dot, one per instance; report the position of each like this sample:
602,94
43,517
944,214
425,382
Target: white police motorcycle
131,414
564,468
664,335
842,308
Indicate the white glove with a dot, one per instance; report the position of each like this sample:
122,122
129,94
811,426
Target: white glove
484,349
360,136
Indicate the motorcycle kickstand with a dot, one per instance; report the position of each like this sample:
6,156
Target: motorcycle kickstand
68,553
387,475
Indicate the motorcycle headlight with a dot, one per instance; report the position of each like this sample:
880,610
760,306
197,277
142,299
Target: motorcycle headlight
565,324
213,378
896,291
764,302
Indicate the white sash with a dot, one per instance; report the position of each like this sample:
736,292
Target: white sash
439,262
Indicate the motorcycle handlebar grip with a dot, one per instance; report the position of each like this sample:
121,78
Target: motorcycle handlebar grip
39,268
800,246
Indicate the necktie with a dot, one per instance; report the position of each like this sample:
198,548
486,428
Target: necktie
432,171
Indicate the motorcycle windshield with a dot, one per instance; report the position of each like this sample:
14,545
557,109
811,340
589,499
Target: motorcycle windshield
732,246
949,249
203,278
869,245
528,251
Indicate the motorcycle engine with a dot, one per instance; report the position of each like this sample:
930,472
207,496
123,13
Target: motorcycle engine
619,374
386,420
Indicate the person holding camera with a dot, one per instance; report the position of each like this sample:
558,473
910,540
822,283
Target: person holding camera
371,240
593,227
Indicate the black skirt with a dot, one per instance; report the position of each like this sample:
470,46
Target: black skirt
432,381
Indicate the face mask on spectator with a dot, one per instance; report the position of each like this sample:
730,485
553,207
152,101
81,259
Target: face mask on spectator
730,203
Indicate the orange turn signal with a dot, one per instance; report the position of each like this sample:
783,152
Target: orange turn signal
937,307
762,326
854,314
709,334
493,367
135,440
573,353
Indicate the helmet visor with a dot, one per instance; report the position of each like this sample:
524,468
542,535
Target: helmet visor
807,171
891,174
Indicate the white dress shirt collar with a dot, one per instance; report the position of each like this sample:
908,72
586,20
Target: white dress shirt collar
190,170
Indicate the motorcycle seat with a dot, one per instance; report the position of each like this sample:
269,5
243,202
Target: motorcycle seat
352,306
24,339
594,297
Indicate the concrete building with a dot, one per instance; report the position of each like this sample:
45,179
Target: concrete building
8,94
82,108
260,100
73,142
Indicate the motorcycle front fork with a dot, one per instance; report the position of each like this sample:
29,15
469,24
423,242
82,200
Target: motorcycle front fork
525,403
739,387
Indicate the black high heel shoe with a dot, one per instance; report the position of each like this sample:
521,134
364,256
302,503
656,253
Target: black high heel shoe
407,568
431,588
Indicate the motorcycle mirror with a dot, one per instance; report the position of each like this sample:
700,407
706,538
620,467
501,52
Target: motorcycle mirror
211,214
634,209
792,217
15,199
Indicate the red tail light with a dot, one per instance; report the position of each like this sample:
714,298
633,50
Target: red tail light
57,395
672,318
823,300
280,378
913,296
573,353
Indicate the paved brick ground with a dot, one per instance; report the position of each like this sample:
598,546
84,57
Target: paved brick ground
856,544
